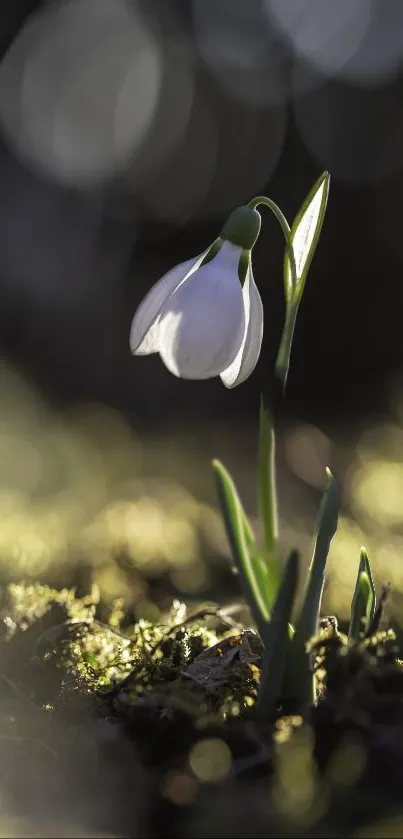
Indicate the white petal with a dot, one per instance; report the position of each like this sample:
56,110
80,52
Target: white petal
202,323
248,354
144,329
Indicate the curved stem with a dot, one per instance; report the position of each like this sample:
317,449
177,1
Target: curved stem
271,205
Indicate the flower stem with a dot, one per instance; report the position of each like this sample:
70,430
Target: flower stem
271,205
267,489
292,300
284,351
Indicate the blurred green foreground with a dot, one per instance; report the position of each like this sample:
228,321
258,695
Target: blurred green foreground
85,501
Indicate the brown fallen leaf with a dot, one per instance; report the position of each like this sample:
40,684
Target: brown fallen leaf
213,667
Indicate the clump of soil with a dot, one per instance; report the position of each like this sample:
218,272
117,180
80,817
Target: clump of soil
149,730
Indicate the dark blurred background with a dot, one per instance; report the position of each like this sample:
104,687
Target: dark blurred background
129,131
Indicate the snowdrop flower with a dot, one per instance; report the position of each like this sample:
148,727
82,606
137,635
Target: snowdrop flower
205,316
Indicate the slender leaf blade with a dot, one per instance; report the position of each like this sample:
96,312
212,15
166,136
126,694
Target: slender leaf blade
368,570
276,639
364,600
327,525
235,523
267,581
359,608
300,679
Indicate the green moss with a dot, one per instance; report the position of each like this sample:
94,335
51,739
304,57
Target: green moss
57,649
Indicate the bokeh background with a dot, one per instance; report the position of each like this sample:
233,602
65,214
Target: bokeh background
129,130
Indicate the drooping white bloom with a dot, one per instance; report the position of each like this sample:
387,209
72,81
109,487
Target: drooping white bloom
201,320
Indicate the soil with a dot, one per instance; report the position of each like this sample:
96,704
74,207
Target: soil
150,731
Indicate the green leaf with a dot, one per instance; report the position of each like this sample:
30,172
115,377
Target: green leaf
364,600
367,569
266,580
359,606
240,537
326,529
300,680
304,236
276,640
267,495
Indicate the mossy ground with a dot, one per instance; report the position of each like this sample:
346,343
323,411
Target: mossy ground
149,730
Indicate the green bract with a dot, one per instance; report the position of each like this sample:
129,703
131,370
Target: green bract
304,237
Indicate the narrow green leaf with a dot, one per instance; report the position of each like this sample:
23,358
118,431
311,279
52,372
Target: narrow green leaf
267,493
276,639
304,236
364,600
300,680
239,534
359,608
266,581
367,569
327,525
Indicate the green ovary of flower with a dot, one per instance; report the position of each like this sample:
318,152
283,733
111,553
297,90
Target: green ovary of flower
242,227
